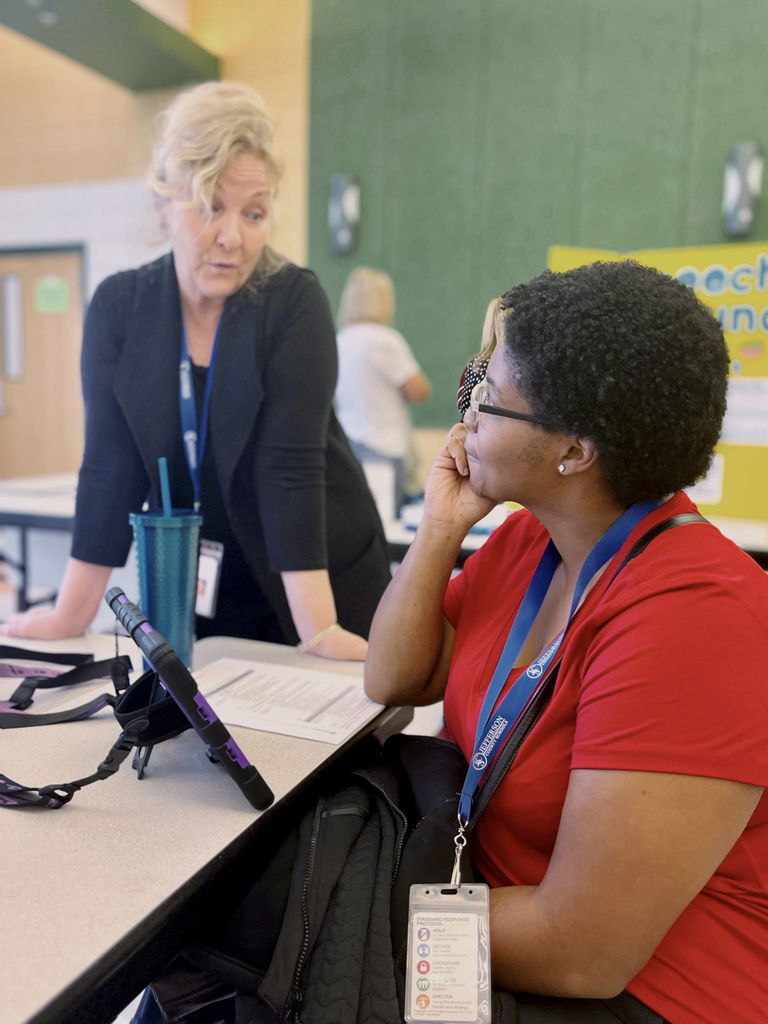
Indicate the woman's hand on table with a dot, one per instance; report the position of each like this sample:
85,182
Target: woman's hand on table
82,588
449,497
39,624
313,608
342,645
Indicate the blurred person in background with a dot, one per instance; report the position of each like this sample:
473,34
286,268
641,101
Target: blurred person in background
477,366
222,319
378,375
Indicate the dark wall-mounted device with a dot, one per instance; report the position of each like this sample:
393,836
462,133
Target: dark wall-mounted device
344,213
742,185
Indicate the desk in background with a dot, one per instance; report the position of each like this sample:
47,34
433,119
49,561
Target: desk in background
48,503
751,535
97,896
399,539
35,503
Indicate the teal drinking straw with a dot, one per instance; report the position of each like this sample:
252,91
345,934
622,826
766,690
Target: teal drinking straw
165,487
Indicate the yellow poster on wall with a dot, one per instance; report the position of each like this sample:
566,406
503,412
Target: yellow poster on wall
733,281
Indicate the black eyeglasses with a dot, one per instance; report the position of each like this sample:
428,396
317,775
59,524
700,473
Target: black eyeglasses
478,403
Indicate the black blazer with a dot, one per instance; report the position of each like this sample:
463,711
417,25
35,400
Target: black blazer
295,495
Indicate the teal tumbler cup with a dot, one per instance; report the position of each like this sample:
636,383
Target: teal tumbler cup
166,555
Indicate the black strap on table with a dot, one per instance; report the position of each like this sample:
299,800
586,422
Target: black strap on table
14,795
51,656
541,695
23,720
117,668
147,715
13,713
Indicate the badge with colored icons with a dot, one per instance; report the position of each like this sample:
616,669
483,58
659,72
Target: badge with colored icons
448,977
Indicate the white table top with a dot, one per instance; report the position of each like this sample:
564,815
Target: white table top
52,495
61,906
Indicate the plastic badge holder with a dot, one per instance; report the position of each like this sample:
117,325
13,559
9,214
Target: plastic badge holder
448,972
182,687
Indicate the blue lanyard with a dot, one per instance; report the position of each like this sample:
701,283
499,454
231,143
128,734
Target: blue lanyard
490,734
194,439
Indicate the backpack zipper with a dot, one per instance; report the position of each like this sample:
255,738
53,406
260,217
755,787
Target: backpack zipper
398,812
293,1003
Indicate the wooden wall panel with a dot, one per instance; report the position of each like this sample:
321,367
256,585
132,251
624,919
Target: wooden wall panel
265,43
61,122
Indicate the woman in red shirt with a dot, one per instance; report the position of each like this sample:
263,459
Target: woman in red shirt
627,846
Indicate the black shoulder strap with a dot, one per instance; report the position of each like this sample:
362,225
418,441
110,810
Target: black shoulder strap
541,695
668,524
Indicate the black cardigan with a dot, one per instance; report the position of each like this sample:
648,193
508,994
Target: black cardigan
295,495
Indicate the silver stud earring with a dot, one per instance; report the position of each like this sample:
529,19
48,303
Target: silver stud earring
561,468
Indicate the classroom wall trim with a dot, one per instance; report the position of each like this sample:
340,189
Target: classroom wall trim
118,38
113,223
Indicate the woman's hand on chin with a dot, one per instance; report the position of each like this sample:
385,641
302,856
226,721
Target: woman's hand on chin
449,497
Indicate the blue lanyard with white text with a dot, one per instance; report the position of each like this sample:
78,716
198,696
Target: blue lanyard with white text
492,728
194,439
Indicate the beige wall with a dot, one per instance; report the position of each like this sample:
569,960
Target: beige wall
61,122
266,44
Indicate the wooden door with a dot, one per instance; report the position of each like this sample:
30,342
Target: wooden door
41,407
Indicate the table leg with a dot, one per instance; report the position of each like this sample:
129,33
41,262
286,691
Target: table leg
21,568
21,595
23,602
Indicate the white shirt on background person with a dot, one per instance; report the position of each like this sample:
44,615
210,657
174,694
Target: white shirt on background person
374,363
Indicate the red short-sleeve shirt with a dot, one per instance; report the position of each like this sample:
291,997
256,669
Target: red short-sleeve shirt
666,670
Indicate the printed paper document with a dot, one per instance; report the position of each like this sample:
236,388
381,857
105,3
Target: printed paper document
308,703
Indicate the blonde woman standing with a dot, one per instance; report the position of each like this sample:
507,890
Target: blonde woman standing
304,552
477,366
378,375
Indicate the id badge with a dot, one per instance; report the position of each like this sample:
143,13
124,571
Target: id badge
208,577
448,970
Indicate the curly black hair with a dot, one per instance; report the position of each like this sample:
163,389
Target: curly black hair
628,357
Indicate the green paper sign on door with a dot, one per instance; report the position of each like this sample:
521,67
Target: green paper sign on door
51,294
